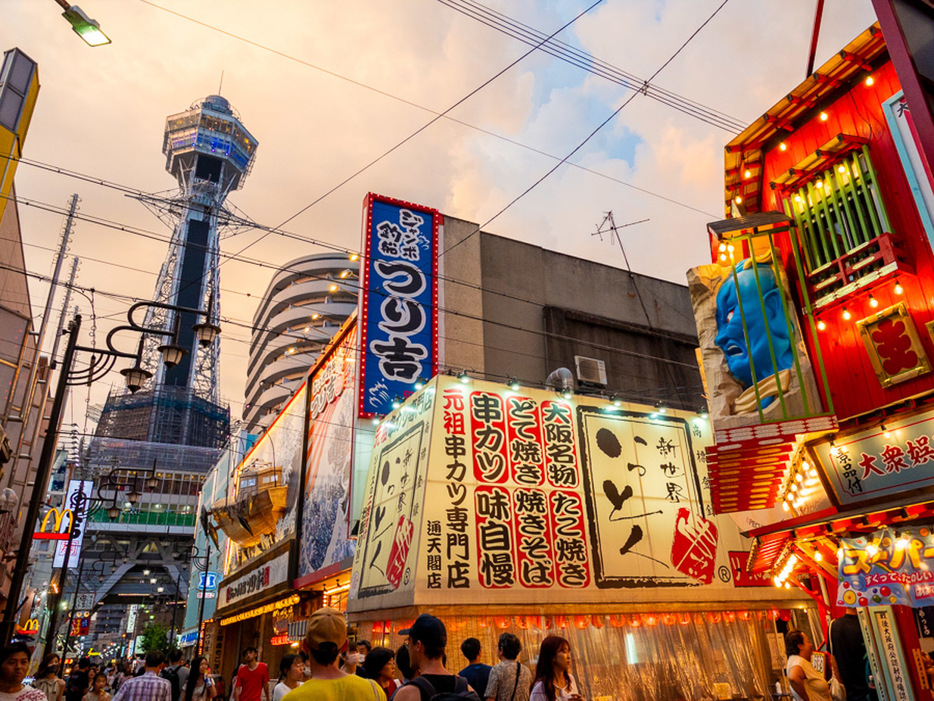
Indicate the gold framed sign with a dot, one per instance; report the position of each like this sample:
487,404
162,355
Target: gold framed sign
893,345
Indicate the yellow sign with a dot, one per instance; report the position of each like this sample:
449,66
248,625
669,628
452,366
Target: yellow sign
32,626
260,610
56,533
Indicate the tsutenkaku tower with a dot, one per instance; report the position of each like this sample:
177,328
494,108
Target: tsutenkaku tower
210,153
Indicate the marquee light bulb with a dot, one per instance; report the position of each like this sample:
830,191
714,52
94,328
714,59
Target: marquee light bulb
722,247
819,184
785,506
846,314
747,174
873,302
817,556
841,169
821,325
782,146
869,81
738,199
898,288
824,116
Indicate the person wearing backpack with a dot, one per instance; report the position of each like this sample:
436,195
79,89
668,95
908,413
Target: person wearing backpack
510,680
427,639
171,673
78,682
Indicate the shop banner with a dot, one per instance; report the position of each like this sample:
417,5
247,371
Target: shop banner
398,303
881,462
77,500
492,495
325,529
257,581
887,568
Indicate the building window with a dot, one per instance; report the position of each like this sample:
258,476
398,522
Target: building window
836,206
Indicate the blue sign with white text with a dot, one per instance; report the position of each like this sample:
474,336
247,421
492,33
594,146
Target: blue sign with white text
399,317
207,581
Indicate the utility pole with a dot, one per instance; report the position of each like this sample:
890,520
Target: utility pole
76,511
39,486
65,303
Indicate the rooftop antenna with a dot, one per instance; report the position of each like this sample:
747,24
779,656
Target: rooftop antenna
221,84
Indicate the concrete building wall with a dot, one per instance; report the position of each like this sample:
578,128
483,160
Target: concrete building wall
460,325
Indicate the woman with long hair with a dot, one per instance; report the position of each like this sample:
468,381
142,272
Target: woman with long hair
291,675
47,677
553,678
200,686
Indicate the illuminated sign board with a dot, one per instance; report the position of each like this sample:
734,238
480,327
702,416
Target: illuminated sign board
399,301
77,500
499,496
60,529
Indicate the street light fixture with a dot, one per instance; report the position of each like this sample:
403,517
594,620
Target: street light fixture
172,354
133,496
135,377
206,332
85,27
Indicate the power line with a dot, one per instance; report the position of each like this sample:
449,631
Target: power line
593,133
585,61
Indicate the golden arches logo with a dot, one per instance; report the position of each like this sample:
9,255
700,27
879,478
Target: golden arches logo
56,533
32,626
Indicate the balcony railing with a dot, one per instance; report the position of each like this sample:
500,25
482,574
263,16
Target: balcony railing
147,518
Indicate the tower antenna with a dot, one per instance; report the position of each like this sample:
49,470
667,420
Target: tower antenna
221,84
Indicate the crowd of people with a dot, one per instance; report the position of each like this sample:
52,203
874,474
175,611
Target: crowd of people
327,669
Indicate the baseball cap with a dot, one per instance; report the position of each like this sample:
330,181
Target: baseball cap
326,625
428,630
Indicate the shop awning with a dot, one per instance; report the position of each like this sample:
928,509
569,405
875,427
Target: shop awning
747,465
770,541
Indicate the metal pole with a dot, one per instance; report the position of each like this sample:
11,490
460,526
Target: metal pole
71,615
65,303
40,485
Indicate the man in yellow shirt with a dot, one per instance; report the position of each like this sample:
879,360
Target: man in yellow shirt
326,635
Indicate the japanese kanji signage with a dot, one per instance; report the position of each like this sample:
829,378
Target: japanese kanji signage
398,304
492,495
887,568
77,501
881,462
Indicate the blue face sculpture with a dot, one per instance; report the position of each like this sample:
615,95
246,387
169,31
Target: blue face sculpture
764,317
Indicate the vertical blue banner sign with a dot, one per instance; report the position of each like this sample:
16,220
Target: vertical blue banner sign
399,301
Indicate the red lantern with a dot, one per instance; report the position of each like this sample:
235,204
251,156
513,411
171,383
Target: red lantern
523,622
635,620
483,622
561,621
743,615
650,619
503,621
581,622
669,619
684,619
617,620
597,621
713,617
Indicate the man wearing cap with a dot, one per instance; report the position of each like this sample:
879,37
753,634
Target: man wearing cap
324,639
427,639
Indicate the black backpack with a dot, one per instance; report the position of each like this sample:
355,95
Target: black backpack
171,673
462,690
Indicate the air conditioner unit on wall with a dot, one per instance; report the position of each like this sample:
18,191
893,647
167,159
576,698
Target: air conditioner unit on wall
590,371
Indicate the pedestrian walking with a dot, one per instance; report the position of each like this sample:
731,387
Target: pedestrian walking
200,686
427,640
404,664
476,673
47,677
14,663
79,681
380,666
325,636
149,686
509,680
98,690
807,684
553,678
849,649
171,673
363,648
291,673
252,682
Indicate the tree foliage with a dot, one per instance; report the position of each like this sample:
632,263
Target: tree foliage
153,638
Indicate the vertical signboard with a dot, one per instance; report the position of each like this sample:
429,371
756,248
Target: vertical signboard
326,507
398,303
77,500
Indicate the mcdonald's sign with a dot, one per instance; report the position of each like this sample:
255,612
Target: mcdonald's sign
56,533
31,627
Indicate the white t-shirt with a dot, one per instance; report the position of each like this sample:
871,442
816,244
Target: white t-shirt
538,691
27,693
817,688
281,690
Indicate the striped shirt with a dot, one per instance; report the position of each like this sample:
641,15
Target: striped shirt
149,687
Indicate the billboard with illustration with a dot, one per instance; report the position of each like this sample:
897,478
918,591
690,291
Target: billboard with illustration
496,495
326,508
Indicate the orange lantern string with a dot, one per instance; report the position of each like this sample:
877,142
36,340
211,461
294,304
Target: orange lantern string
503,621
523,622
581,622
561,621
597,621
729,616
483,622
617,620
713,617
669,619
743,615
635,620
684,618
650,619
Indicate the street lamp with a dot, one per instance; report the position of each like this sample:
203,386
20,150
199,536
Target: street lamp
85,27
101,362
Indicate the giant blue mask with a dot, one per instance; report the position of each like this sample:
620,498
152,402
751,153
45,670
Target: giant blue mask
763,315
